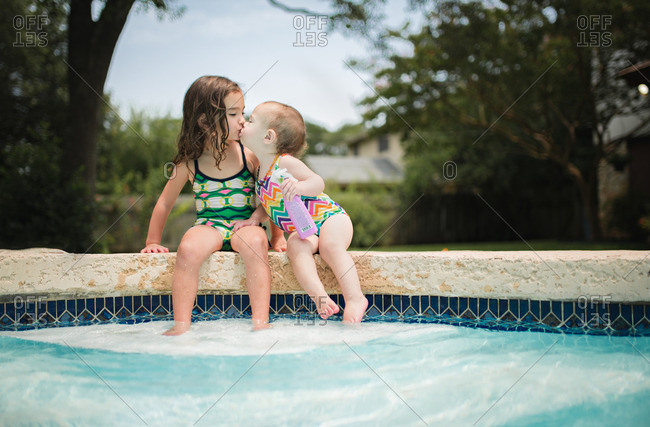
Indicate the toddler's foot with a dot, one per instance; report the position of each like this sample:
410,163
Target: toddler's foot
355,308
261,324
178,328
325,306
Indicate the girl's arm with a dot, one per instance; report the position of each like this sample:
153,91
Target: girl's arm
309,183
163,207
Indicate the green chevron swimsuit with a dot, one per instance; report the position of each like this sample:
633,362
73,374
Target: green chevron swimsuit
219,202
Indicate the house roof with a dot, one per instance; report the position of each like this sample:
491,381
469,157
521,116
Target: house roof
348,170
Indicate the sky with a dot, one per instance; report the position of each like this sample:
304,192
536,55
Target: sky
254,44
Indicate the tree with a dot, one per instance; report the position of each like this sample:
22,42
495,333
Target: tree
525,71
90,49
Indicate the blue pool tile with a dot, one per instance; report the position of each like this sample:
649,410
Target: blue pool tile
373,312
483,306
556,309
513,307
552,320
127,302
386,302
406,302
51,308
71,306
109,305
227,301
534,307
155,301
245,303
146,302
493,306
544,309
119,303
434,304
503,307
473,305
209,301
201,303
443,304
453,306
567,310
99,305
463,304
638,313
524,307
626,313
614,310
236,302
137,304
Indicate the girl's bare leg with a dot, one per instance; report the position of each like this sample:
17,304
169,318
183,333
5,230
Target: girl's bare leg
198,243
301,254
252,244
334,240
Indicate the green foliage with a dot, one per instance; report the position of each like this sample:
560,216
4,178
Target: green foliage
372,210
133,167
39,208
483,85
323,141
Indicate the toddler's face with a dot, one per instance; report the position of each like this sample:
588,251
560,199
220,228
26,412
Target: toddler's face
254,130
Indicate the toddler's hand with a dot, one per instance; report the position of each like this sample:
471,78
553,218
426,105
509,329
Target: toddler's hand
154,248
279,243
289,189
243,223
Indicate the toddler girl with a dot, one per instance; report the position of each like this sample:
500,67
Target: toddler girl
276,132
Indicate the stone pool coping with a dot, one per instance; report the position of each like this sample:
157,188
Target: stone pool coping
613,276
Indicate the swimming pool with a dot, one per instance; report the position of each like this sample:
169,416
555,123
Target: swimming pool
308,373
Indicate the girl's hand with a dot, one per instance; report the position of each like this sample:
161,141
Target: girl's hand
278,243
154,248
289,189
243,223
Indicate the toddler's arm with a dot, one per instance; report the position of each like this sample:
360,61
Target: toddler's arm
163,207
308,182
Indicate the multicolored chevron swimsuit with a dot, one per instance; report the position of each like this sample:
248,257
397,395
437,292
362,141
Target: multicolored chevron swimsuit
268,192
219,202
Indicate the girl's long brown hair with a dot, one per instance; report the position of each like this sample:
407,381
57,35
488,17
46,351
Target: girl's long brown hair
204,101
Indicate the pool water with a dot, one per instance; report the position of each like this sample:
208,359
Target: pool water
310,373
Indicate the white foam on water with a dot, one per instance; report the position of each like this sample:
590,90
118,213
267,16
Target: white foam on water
226,337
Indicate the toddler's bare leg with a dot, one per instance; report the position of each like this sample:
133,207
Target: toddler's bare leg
301,253
334,240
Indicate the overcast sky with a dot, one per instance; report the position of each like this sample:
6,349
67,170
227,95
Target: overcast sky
155,61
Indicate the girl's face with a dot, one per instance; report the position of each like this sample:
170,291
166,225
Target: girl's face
234,102
254,130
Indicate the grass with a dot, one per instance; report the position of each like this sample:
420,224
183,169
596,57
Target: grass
537,245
